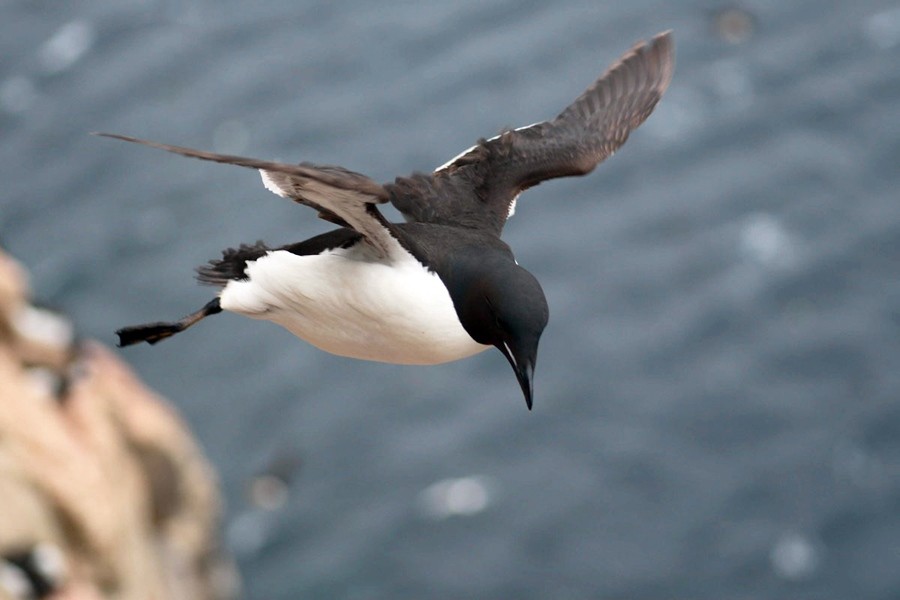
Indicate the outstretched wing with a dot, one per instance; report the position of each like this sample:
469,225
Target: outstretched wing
339,195
587,132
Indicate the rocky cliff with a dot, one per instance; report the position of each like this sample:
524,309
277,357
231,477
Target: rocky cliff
103,492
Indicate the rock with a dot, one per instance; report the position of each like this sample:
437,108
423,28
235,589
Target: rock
96,470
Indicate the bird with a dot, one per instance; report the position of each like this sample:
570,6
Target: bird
441,285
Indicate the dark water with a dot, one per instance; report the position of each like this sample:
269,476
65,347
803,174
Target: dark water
717,411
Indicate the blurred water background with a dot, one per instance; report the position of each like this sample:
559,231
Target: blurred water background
717,411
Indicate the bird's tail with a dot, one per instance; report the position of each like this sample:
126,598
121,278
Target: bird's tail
232,265
156,332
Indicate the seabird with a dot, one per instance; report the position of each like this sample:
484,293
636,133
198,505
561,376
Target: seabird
442,285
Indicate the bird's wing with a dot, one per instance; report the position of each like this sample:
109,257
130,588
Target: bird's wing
341,196
587,132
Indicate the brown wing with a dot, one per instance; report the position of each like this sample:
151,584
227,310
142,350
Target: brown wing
339,195
587,132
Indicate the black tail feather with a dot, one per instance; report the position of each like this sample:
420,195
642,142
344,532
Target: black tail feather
156,332
232,264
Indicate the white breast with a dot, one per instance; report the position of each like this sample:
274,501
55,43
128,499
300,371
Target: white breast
345,303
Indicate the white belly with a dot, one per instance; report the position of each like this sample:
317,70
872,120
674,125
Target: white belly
394,312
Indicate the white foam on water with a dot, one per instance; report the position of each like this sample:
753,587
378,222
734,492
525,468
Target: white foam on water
66,46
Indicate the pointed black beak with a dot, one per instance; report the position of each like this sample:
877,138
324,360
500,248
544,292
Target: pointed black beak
525,377
523,366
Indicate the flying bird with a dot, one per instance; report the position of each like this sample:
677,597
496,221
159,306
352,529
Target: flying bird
442,285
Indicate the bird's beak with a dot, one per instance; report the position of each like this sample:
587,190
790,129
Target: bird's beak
523,366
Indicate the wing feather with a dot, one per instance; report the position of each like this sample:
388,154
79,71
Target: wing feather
338,194
582,136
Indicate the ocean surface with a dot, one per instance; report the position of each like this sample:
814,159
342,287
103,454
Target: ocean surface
717,409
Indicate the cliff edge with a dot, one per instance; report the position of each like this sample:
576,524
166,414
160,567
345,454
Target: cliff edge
103,491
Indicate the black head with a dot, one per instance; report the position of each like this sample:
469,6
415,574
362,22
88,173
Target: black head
500,304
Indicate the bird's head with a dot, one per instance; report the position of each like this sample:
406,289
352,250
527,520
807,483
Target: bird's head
502,305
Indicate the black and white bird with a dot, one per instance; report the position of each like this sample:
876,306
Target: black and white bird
443,285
